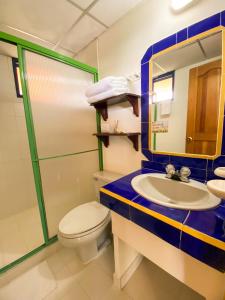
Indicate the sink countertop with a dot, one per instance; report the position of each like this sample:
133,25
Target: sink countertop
198,233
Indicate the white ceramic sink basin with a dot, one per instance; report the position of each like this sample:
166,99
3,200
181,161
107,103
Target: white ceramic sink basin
161,190
217,187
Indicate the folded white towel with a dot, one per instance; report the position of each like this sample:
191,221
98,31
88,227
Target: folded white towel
110,93
106,84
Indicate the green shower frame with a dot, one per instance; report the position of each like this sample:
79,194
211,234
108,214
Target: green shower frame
23,45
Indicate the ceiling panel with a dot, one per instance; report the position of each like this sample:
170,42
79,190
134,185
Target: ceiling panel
83,3
42,18
109,12
25,36
83,33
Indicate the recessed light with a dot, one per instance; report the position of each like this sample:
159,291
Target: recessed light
179,4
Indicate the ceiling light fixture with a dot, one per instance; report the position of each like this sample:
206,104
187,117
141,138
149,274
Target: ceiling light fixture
179,4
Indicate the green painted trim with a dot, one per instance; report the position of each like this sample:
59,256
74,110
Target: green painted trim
46,52
65,155
32,143
28,255
98,122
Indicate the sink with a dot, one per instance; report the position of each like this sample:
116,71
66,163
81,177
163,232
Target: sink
161,190
217,187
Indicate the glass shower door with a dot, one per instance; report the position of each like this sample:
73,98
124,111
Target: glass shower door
64,124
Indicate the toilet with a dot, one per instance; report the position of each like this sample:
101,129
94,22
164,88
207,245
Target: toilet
86,228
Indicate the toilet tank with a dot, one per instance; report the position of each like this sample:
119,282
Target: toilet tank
102,178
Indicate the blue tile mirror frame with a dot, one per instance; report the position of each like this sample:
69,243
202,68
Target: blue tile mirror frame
202,166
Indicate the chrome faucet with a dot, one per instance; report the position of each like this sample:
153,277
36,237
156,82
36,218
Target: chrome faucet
179,175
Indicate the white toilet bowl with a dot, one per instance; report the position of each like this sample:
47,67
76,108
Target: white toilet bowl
86,228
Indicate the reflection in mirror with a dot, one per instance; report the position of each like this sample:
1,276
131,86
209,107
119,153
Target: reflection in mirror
186,97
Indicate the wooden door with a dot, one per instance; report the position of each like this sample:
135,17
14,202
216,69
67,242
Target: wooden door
203,108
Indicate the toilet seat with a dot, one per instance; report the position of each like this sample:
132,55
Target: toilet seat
86,233
83,220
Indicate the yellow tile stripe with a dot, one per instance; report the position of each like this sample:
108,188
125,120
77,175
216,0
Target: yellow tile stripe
204,237
193,232
148,211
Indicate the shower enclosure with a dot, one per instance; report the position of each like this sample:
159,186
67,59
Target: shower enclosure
47,151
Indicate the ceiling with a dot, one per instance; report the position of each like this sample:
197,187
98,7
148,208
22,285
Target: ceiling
61,24
196,52
8,49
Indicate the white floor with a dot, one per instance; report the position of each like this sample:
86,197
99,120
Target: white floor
63,277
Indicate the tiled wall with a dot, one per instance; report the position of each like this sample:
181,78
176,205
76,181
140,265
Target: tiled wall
201,169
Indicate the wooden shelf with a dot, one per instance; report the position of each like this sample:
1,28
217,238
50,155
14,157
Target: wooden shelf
132,136
102,105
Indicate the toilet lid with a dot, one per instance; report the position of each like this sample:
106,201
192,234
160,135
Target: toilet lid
83,218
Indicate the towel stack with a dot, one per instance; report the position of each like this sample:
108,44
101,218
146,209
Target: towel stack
107,87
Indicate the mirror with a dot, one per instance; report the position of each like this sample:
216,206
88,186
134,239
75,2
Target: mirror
185,100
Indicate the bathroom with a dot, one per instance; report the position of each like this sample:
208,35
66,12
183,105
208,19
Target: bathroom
98,197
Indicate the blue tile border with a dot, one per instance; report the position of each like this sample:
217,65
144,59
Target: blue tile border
144,135
210,222
159,228
202,169
145,79
204,25
222,18
185,33
113,204
145,108
204,252
164,44
182,35
122,188
147,56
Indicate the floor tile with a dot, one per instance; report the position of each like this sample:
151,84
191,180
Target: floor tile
34,284
62,276
115,294
71,292
76,292
95,281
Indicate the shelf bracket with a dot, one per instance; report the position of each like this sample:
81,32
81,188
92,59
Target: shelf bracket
134,103
105,140
102,109
134,140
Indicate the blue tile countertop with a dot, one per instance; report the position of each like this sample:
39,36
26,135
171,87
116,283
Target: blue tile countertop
201,234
